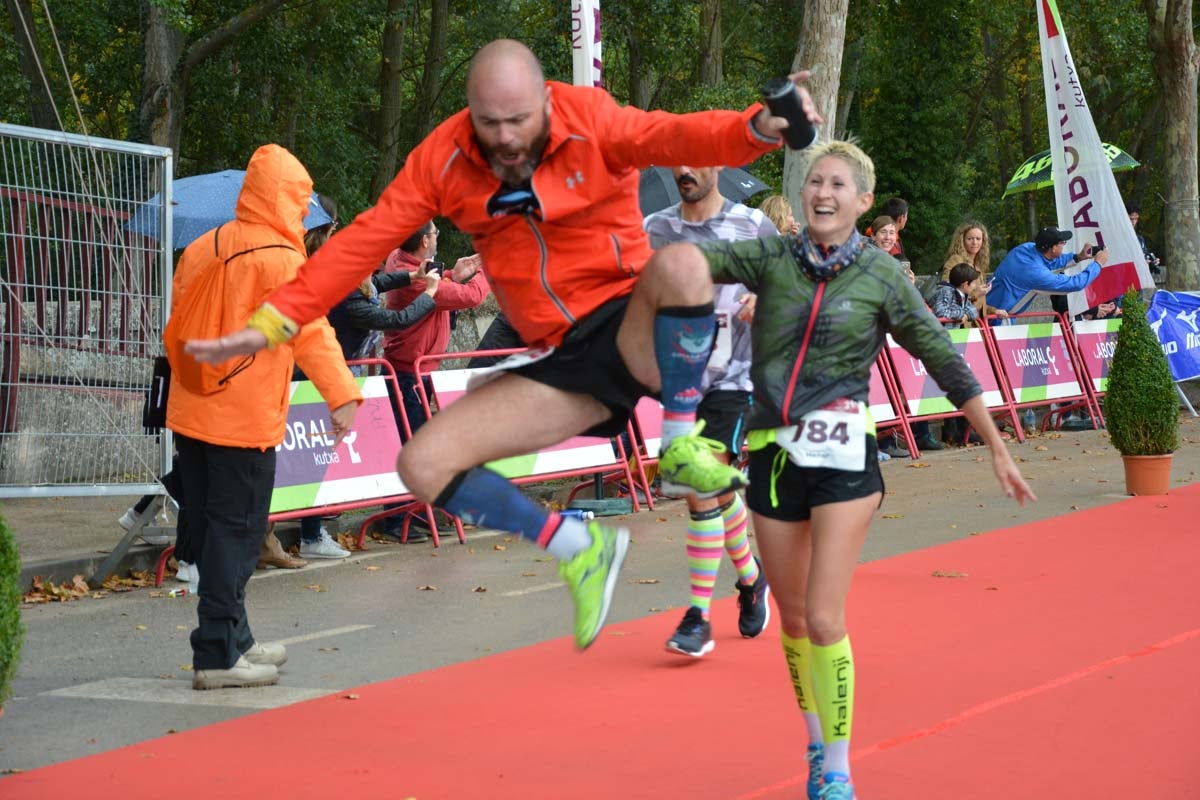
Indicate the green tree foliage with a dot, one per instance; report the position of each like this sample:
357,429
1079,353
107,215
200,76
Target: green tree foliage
946,96
1141,407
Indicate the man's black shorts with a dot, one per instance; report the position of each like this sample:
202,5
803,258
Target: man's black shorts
800,489
724,413
587,362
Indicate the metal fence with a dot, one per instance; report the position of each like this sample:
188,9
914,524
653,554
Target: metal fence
83,302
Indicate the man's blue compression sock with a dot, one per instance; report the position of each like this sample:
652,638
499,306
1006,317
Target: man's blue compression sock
481,497
683,342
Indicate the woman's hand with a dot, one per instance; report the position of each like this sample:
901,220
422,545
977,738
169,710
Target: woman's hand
747,303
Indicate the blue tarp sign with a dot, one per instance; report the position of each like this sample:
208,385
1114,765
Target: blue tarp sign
1173,316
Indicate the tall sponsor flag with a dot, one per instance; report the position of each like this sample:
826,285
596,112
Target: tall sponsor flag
1085,191
585,42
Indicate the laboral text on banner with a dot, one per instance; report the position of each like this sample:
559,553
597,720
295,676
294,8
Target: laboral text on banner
1085,192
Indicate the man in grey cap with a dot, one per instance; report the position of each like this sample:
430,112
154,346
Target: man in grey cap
1035,268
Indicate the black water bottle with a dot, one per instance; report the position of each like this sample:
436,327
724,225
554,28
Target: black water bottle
781,97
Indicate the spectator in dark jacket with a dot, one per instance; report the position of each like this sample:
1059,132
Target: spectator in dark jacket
357,322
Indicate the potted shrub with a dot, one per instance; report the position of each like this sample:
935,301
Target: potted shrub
11,631
1141,408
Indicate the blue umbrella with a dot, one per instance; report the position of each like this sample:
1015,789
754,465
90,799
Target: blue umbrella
202,202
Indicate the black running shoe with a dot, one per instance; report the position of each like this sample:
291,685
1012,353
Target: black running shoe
693,637
754,612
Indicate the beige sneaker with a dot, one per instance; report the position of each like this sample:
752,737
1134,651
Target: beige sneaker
273,654
242,675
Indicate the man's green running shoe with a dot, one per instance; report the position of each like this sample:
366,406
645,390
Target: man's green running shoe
688,466
592,577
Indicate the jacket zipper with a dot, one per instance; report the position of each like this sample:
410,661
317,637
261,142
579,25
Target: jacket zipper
617,254
791,389
542,271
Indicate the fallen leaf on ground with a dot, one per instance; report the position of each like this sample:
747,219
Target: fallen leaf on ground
316,587
1042,448
528,574
181,627
1075,508
186,667
917,465
479,589
541,559
645,580
158,594
660,519
941,573
350,696
427,588
140,627
327,649
499,547
891,516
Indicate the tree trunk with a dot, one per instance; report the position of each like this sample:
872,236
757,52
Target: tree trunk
32,65
641,78
1177,65
431,76
168,67
819,49
1028,148
712,70
387,122
996,90
850,80
161,112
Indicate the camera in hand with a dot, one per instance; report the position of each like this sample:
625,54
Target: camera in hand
781,97
435,266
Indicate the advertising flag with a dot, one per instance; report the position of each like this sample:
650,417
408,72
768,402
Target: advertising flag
585,42
1085,192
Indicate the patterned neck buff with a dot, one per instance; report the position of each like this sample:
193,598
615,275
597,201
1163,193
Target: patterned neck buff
822,263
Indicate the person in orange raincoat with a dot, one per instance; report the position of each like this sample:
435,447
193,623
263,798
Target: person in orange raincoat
228,420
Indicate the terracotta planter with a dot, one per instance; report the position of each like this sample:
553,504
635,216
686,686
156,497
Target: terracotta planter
1147,474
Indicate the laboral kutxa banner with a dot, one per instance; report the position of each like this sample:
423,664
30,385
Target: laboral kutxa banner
311,472
1085,192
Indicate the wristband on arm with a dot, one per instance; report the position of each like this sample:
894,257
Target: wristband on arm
270,322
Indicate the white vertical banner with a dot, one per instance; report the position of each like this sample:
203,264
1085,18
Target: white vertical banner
585,42
1085,192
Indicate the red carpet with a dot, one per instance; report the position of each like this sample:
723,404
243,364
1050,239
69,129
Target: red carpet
1062,665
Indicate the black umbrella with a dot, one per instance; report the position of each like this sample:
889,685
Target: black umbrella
657,189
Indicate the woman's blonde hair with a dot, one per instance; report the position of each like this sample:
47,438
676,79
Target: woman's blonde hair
958,250
860,163
778,209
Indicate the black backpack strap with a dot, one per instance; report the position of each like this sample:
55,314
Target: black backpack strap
260,247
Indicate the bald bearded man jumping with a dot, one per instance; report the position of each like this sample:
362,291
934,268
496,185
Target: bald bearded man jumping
544,177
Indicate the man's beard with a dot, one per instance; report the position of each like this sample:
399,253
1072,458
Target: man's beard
517,174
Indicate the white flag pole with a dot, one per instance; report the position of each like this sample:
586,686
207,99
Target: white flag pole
585,42
1085,191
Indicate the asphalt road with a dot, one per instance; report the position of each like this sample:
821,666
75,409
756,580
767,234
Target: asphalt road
101,673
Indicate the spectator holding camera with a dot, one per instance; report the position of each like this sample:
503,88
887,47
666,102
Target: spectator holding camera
1034,268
